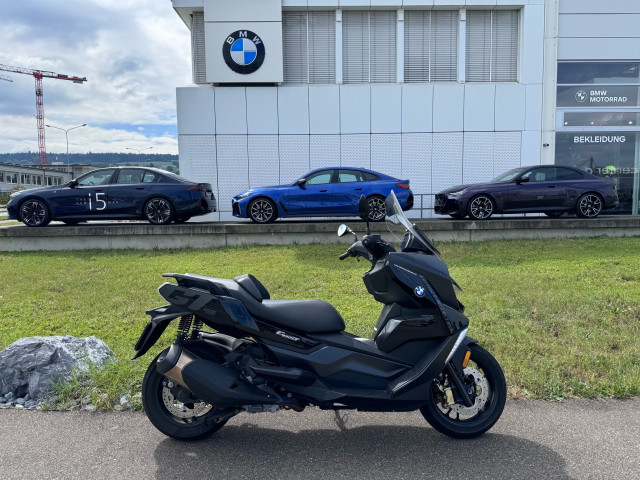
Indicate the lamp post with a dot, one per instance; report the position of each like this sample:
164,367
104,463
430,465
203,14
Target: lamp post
66,133
138,149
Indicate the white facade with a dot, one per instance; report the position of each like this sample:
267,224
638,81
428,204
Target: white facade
242,131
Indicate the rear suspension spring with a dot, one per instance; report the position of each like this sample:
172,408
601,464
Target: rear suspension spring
183,328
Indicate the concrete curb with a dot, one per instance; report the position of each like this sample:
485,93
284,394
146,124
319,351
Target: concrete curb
207,235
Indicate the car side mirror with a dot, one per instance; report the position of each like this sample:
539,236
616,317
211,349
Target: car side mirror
72,184
522,180
301,182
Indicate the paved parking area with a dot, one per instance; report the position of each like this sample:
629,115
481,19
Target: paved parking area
533,440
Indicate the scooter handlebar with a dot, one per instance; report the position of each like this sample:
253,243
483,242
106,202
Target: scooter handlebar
344,255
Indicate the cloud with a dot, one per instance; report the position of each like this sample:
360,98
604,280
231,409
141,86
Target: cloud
133,53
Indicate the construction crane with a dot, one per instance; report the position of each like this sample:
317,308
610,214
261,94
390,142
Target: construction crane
39,75
6,77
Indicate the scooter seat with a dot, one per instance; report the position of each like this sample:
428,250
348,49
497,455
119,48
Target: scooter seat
310,316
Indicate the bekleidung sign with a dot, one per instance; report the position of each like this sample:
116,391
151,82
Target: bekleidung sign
598,96
599,139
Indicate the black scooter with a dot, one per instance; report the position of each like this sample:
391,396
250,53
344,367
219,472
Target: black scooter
267,355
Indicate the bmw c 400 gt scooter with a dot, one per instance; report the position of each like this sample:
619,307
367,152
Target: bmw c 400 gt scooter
267,355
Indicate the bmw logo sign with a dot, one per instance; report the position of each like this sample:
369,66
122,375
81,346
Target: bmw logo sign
581,96
419,291
243,52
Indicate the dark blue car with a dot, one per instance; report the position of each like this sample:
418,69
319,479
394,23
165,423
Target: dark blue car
549,189
326,192
121,193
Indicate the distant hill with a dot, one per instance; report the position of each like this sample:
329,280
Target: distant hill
97,159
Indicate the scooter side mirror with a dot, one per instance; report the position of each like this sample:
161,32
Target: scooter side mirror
342,230
364,210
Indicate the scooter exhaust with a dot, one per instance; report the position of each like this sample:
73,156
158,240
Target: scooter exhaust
216,384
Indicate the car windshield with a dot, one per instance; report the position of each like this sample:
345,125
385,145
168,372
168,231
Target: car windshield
507,177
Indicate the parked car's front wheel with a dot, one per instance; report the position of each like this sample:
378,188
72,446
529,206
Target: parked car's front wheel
481,207
589,205
262,210
35,213
158,211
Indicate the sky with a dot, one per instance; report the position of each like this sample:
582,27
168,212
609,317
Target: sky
134,53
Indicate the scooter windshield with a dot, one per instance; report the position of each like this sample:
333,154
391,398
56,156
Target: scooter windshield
397,216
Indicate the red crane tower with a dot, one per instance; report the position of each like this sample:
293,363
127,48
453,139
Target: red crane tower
39,75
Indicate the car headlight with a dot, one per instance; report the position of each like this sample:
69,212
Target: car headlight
458,193
242,195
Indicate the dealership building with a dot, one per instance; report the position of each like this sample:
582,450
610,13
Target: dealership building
440,92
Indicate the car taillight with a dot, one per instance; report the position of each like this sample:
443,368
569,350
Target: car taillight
196,188
402,185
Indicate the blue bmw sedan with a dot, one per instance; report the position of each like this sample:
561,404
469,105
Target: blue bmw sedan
120,193
325,192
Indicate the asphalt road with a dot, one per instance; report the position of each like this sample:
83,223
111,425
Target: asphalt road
533,440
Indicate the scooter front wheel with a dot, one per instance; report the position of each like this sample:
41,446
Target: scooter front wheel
457,420
174,411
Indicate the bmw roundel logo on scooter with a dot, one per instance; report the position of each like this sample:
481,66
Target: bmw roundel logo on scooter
243,52
419,291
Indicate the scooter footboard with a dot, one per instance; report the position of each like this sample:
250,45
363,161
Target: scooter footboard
428,367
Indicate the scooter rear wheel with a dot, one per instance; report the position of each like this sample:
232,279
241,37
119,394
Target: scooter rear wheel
189,420
459,421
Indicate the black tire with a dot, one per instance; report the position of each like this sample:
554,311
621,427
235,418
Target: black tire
589,205
377,208
158,211
35,213
154,386
457,216
481,207
554,214
262,210
491,403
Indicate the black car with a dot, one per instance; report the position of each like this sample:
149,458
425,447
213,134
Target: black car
121,193
545,189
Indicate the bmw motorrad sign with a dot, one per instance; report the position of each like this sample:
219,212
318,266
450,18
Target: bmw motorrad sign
243,52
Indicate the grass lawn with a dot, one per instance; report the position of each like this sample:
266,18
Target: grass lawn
561,316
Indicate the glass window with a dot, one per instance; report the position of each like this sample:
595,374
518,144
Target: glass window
151,177
566,174
198,48
320,178
601,119
370,177
597,72
12,177
38,180
130,176
2,177
430,46
309,47
604,154
492,45
348,176
25,179
369,46
98,177
546,174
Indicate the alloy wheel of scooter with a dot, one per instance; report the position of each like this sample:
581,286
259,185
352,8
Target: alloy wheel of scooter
181,420
490,394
